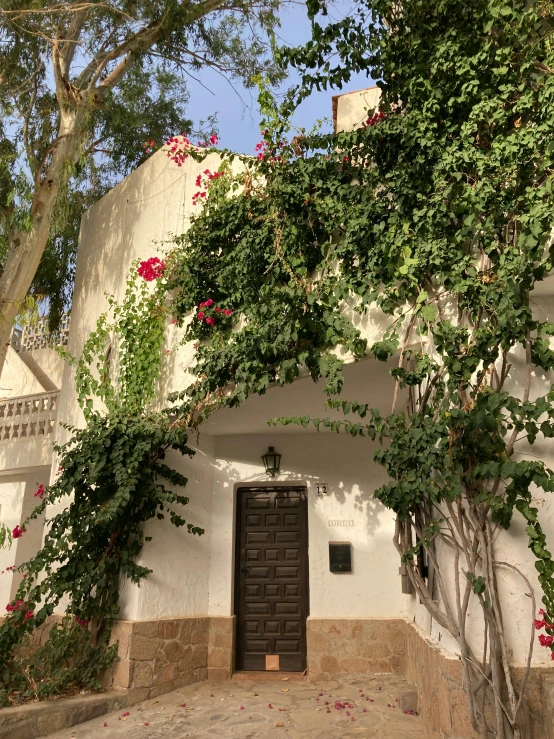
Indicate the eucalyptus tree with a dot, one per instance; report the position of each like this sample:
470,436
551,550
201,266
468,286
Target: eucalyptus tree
82,86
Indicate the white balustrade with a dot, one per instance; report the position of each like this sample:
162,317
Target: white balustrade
28,416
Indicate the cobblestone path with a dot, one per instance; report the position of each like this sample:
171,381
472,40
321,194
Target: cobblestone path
262,709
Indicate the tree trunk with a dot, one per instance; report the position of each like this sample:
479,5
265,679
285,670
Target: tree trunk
27,247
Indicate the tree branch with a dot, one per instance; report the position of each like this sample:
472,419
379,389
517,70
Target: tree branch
69,45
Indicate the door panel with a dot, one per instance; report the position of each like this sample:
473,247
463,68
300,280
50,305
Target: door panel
272,578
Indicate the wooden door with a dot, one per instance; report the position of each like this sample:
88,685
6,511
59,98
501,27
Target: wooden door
271,596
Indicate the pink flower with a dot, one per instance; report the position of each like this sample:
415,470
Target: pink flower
542,612
364,710
105,724
210,321
174,321
269,705
40,492
29,615
183,705
17,532
81,621
242,708
152,269
125,714
200,315
218,309
15,606
546,641
146,723
213,139
209,303
539,624
227,312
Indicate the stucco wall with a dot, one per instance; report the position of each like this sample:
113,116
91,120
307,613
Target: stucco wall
17,501
345,464
17,379
350,109
130,222
47,365
180,561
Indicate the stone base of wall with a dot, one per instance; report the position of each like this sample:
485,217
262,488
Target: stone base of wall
548,703
156,657
369,646
354,646
443,703
221,648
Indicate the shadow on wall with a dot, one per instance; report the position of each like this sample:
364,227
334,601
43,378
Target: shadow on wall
344,464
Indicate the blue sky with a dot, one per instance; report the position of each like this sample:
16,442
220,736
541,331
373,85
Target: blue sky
237,108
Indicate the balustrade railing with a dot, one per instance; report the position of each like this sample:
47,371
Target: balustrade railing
28,416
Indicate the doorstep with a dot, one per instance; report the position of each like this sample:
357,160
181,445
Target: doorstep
296,677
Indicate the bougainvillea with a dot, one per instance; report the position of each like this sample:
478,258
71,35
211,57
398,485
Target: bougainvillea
151,269
438,213
113,476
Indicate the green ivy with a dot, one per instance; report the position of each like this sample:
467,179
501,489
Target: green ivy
113,477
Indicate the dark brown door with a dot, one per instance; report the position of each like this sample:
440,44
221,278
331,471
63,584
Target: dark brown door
272,579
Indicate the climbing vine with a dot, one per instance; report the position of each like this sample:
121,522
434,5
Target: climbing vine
112,478
436,211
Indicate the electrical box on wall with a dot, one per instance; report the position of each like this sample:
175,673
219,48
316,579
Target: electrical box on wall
340,557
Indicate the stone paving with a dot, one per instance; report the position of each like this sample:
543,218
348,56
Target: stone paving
358,706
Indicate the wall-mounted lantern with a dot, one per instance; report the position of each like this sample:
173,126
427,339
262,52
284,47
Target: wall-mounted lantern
272,462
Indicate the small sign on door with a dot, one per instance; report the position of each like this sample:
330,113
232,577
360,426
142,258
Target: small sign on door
272,662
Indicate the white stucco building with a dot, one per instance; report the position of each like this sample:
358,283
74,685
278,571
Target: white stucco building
201,613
